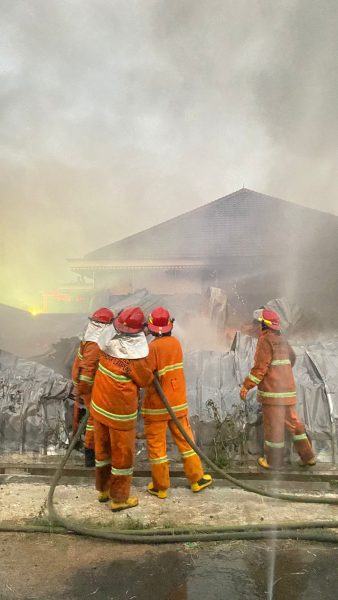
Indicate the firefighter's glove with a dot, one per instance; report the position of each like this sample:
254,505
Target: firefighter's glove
243,393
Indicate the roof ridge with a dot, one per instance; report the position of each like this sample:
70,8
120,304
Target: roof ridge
188,212
246,192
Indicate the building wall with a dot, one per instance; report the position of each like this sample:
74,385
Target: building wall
171,281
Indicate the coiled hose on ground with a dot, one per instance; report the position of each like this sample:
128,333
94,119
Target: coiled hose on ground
302,530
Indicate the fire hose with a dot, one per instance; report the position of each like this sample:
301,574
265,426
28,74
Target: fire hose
301,530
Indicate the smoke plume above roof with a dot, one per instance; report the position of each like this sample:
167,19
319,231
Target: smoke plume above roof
118,115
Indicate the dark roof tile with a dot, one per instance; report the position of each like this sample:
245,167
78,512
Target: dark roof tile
241,224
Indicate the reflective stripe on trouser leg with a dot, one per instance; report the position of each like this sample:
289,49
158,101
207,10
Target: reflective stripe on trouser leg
191,461
89,435
297,430
102,457
274,431
155,432
122,460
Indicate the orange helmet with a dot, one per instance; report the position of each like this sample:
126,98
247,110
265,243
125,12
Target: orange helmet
159,321
130,320
103,315
269,317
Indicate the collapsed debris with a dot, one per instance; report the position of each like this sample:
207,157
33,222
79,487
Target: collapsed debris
32,406
36,401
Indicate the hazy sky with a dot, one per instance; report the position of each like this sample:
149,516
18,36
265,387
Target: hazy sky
116,115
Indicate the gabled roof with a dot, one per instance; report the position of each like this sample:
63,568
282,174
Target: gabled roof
244,223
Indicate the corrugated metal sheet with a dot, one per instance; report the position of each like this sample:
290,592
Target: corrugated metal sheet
218,376
32,397
32,406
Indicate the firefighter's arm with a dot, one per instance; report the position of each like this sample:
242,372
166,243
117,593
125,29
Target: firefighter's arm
89,364
152,358
140,372
76,369
262,361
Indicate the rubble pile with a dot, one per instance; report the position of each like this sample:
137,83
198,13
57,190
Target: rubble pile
35,397
218,376
32,406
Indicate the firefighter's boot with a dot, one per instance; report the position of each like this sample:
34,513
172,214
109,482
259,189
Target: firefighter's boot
89,457
122,505
103,496
309,463
162,494
201,483
263,462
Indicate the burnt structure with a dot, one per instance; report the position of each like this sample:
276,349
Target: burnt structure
252,245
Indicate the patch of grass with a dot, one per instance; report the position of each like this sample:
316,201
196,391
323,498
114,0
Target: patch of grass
231,435
170,525
130,523
40,521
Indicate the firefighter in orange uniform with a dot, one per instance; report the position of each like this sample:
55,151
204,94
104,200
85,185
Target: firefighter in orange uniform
122,370
272,373
83,372
166,357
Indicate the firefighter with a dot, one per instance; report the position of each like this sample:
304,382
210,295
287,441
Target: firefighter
272,373
83,372
122,370
166,358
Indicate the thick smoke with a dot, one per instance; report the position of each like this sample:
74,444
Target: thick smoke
118,115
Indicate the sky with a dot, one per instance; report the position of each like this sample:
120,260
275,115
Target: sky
119,114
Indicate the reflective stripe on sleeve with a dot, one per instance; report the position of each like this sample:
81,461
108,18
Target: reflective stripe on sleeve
112,416
169,368
112,375
124,472
254,379
89,427
80,355
299,437
87,379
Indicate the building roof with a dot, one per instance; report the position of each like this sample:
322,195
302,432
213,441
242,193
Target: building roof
242,224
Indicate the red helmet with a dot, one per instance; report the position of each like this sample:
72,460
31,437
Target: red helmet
269,317
103,315
130,320
159,321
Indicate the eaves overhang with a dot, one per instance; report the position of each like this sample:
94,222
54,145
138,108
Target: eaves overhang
118,265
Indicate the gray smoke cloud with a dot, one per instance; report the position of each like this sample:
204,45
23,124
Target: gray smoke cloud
118,115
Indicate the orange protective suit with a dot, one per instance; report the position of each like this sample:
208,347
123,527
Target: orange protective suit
114,409
272,373
166,357
83,373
